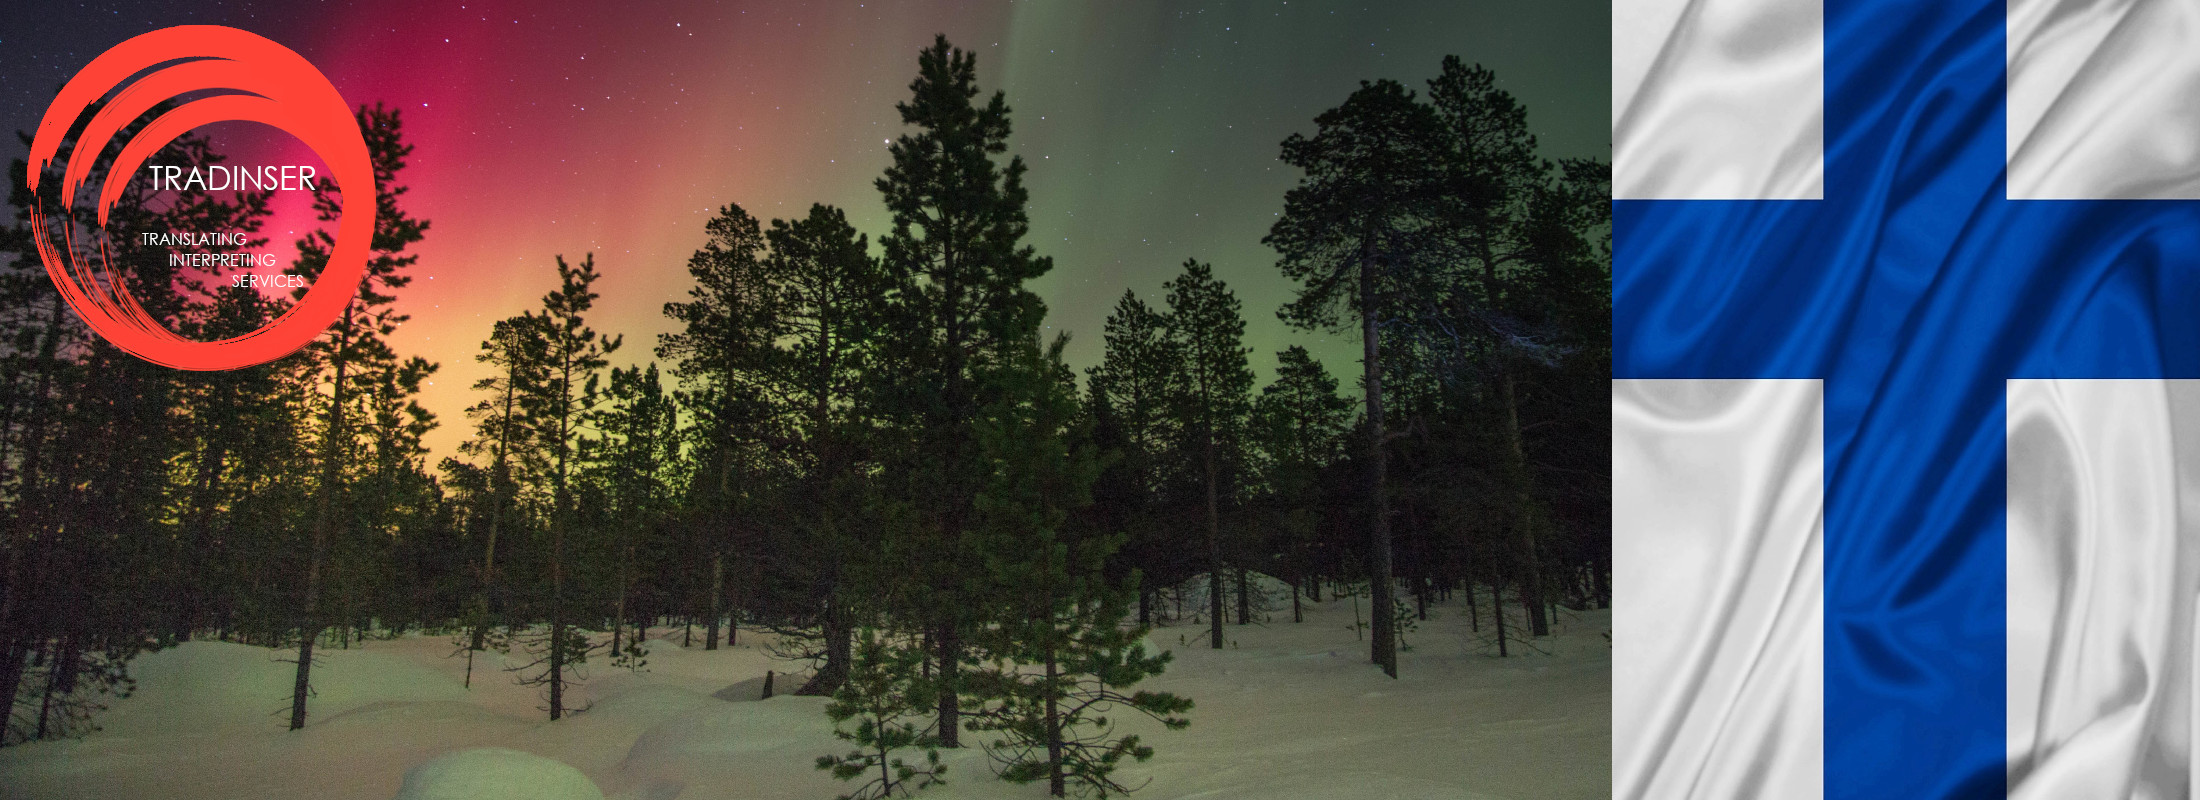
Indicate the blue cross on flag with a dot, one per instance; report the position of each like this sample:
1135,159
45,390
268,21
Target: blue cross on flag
1906,454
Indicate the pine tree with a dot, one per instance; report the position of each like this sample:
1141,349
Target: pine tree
392,497
1210,409
235,483
957,266
236,432
1495,177
1565,409
1059,658
354,353
515,348
630,462
1355,234
87,445
1521,298
1298,426
828,288
883,688
1140,373
575,357
726,340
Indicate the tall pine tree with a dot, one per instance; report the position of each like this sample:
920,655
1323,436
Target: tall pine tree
1355,233
630,463
1210,408
828,289
503,436
957,266
723,348
574,359
1140,374
1298,425
354,355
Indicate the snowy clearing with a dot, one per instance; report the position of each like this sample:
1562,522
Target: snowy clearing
1290,711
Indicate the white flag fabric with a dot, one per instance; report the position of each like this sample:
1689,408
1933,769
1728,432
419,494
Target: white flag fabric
2102,100
1716,603
2104,566
1717,99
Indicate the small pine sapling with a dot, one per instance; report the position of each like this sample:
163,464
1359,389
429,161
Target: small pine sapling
1402,617
1055,720
1060,656
558,661
631,655
883,689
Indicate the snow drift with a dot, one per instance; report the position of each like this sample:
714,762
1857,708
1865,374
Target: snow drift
494,773
1283,710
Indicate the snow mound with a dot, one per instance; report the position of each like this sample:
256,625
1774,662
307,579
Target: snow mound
207,685
753,689
1349,786
494,773
751,749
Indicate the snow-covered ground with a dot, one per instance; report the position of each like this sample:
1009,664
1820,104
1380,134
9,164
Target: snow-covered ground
1288,711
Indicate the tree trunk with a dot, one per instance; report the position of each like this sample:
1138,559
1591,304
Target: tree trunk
60,672
1531,593
1384,648
212,463
1474,616
1244,598
950,707
839,648
557,618
886,782
733,597
1056,785
501,476
1295,615
12,661
324,519
1531,572
1214,550
1356,626
1497,608
717,588
618,613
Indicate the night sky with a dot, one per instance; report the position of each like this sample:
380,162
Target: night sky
1151,129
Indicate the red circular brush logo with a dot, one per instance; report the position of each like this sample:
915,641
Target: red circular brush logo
280,89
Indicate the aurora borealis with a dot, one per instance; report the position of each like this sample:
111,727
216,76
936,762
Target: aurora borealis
1151,129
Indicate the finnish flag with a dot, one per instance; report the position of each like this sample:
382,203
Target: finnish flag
1906,436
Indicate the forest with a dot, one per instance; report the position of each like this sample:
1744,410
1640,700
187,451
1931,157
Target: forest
859,443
